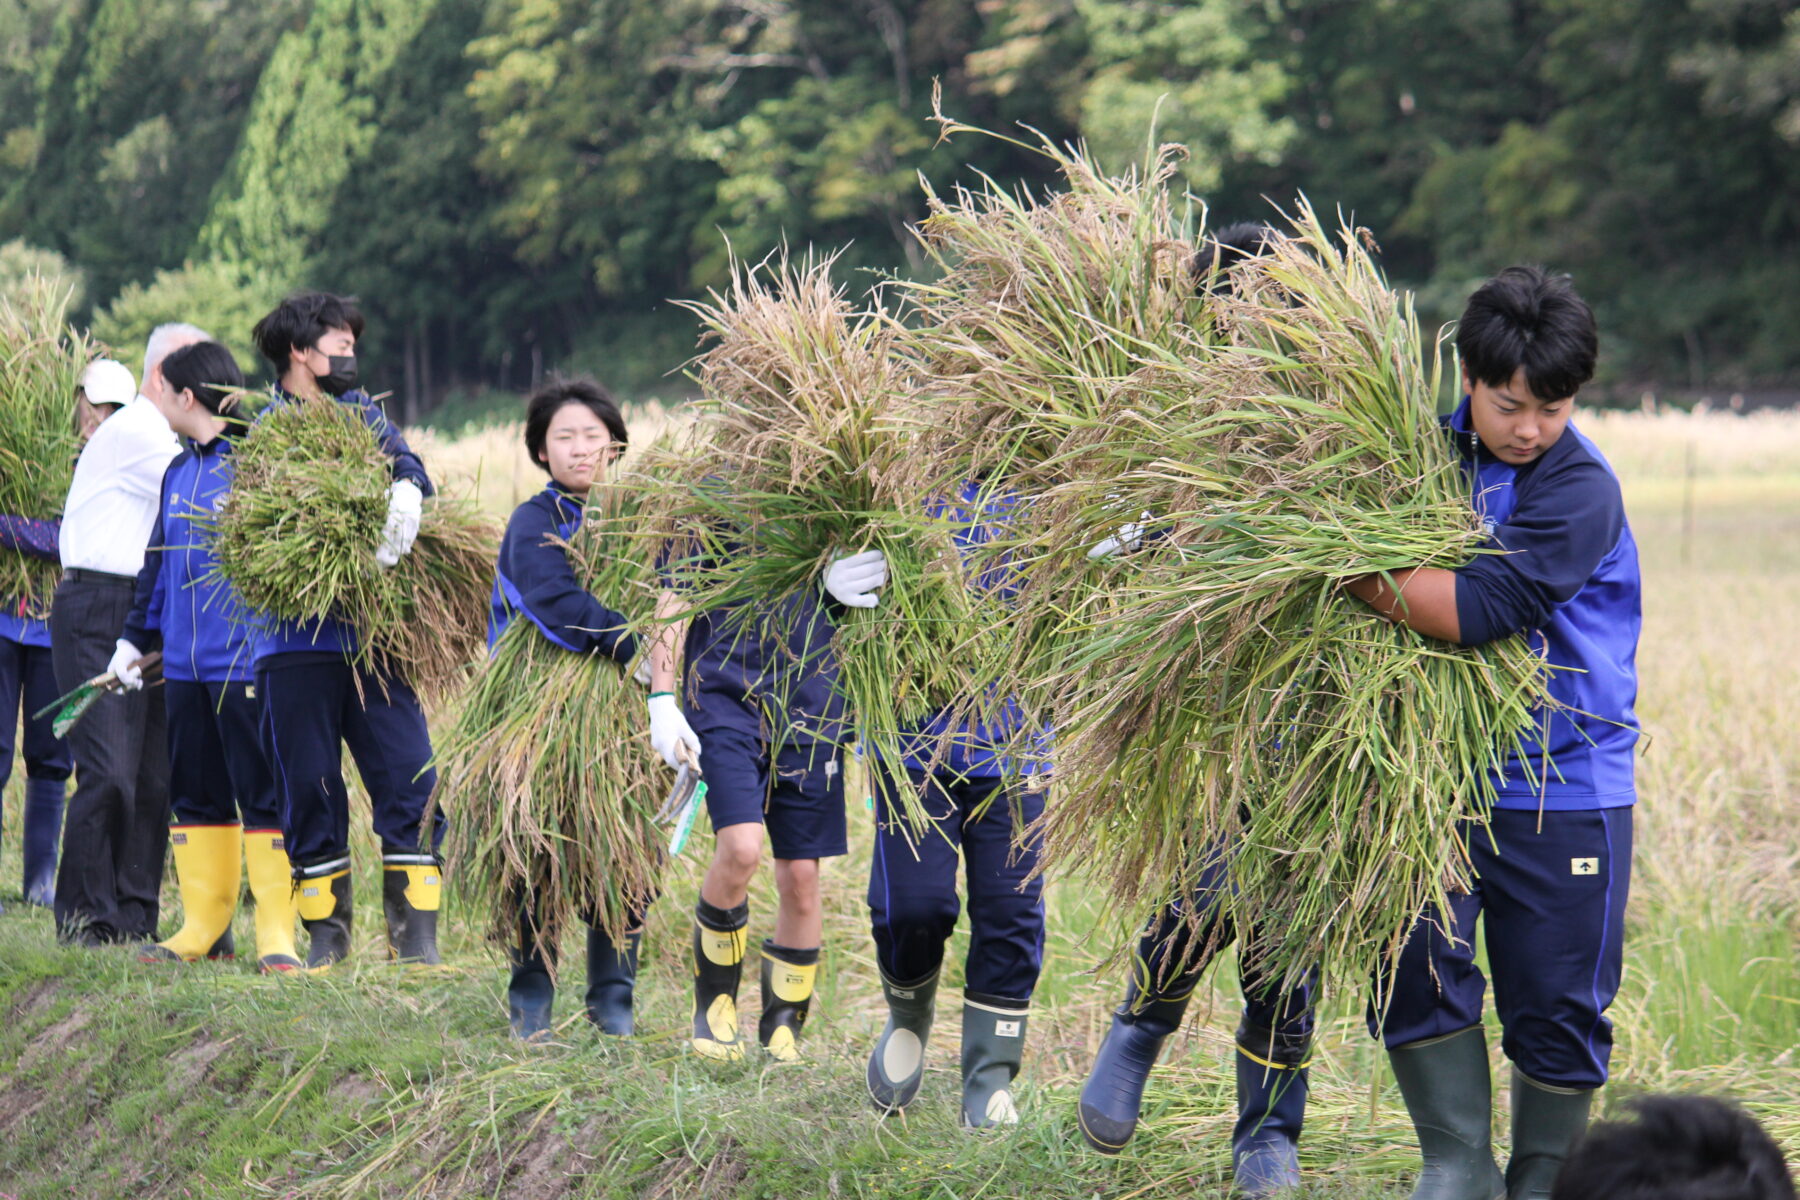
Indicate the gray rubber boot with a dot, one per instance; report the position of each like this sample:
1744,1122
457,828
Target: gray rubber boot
897,1064
1450,1098
1546,1121
993,1042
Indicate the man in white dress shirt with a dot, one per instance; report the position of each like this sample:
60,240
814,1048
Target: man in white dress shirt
116,828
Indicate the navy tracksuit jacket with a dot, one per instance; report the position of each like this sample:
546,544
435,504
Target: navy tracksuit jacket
217,771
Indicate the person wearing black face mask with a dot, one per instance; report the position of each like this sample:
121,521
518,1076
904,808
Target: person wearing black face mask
316,698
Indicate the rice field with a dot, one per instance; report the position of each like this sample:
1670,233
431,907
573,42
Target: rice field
209,1081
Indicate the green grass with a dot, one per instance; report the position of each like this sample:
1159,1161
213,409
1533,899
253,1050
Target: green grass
207,1081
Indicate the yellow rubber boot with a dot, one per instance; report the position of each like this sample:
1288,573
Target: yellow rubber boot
788,976
720,939
208,874
272,886
323,902
411,887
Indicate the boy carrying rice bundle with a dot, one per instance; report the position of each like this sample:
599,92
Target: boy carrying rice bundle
1553,867
222,792
783,517
556,792
319,539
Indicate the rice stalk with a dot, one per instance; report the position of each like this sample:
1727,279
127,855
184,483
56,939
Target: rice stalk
551,785
1217,690
41,360
297,537
797,456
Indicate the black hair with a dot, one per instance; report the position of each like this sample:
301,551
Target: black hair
1527,317
1226,247
208,370
301,320
549,399
1676,1148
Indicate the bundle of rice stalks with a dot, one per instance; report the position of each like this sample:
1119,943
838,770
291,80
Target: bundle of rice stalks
297,539
552,786
41,361
1217,691
795,458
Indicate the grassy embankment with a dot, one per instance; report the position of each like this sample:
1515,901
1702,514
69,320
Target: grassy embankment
117,1079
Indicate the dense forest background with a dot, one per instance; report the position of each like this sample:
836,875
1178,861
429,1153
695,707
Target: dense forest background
514,185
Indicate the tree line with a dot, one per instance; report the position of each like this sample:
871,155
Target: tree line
514,184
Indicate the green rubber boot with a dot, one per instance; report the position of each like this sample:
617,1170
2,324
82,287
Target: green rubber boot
1546,1121
1449,1096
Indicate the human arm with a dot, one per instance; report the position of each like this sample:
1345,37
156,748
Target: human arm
1421,598
31,536
537,579
669,728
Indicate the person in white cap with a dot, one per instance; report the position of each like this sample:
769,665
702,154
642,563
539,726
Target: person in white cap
27,678
116,829
106,387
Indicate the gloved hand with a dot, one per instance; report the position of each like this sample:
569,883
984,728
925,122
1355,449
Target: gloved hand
406,503
1128,537
124,655
669,731
641,673
852,581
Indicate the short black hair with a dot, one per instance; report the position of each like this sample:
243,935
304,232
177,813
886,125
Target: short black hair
208,370
549,399
301,320
1676,1148
1527,317
1224,248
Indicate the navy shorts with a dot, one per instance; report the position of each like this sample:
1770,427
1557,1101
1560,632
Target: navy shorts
801,801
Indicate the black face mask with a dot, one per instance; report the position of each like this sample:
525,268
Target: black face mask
342,376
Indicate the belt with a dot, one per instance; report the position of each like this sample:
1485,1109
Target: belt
105,578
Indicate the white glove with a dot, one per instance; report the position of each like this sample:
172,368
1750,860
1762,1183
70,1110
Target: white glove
406,503
669,731
853,581
124,655
1129,537
641,673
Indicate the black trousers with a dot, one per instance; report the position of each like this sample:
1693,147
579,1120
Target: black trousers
116,826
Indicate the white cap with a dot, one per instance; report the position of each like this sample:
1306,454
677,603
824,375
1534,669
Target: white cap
108,382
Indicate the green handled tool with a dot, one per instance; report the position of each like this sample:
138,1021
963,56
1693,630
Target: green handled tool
71,708
683,804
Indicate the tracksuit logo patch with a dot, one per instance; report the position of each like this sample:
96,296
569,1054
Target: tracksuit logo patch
1584,866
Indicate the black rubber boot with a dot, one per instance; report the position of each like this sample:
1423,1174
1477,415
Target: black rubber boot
612,974
1546,1122
788,978
719,945
324,905
1271,1101
530,995
897,1064
1114,1091
993,1044
1449,1096
410,887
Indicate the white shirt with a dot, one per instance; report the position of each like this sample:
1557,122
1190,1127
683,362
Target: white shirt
118,485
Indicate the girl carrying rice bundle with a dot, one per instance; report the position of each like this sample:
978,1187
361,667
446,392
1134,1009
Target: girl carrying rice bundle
556,789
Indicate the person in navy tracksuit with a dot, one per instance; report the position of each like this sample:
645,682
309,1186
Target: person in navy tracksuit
1552,873
222,793
27,685
574,431
1184,937
980,802
759,685
318,698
